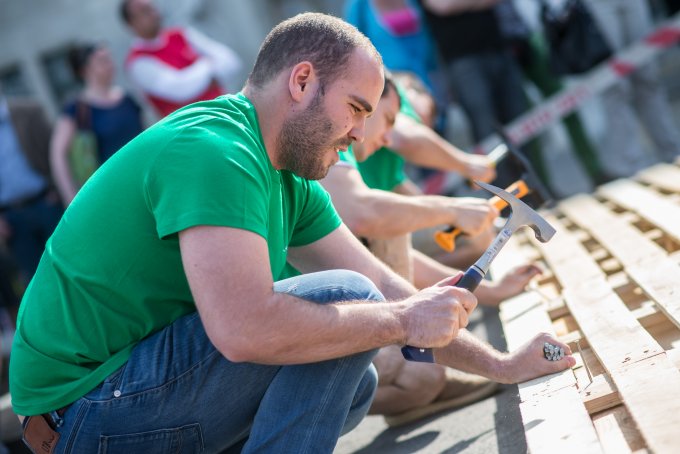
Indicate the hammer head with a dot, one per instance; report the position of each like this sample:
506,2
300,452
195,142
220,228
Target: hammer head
512,165
522,215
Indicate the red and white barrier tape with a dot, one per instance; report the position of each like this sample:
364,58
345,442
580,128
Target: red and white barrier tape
597,80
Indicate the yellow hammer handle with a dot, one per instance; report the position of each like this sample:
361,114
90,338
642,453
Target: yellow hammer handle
446,239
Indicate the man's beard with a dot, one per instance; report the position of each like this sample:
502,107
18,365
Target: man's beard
304,140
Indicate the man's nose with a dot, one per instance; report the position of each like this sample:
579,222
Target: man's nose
358,131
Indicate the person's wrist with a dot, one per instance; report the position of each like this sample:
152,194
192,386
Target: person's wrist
399,311
501,370
492,295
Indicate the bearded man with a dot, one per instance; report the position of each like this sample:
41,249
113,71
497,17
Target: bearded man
157,322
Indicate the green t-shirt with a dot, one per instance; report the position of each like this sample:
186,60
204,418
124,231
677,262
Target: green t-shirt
384,169
112,274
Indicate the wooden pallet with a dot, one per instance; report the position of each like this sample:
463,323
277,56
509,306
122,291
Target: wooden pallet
611,290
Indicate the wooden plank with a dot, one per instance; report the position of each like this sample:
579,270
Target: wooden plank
600,395
617,431
624,348
664,176
652,395
555,420
622,240
648,204
567,257
605,320
660,281
559,424
646,262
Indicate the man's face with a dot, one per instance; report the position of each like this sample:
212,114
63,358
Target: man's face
305,139
310,140
378,126
145,19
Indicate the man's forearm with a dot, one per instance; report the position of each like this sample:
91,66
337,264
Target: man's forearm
393,214
473,355
422,146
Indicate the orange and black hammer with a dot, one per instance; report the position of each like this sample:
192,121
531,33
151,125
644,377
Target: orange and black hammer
446,239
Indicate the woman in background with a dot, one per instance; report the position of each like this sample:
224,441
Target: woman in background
101,107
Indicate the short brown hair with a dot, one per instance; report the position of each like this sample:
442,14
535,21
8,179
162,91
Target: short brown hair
325,41
124,10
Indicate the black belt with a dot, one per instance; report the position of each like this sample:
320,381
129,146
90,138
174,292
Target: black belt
25,201
50,421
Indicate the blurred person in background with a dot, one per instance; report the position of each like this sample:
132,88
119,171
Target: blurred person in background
101,107
399,32
638,97
29,207
482,73
531,50
175,66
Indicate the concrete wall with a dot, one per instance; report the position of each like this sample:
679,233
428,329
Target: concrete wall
32,29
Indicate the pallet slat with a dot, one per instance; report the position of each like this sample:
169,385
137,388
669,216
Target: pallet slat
664,176
554,418
645,262
611,291
645,202
619,341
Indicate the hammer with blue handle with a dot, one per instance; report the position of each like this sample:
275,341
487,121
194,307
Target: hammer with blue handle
521,215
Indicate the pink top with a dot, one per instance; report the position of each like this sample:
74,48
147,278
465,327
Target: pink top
401,21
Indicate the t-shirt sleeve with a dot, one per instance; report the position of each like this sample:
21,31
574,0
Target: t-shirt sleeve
219,182
397,176
383,170
317,218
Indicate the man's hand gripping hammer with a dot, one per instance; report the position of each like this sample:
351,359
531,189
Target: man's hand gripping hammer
521,215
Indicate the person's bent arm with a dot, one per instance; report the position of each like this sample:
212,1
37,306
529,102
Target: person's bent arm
422,146
226,63
342,250
379,214
60,143
231,283
177,85
407,187
470,354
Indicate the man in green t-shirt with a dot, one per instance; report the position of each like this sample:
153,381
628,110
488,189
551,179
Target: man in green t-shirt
155,321
409,391
414,141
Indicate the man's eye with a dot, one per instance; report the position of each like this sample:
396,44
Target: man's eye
355,109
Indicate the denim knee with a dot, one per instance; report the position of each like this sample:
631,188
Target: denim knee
360,285
330,286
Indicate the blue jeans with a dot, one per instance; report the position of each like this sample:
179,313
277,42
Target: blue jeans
178,394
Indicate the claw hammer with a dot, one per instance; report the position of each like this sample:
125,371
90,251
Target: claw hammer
446,239
508,161
521,215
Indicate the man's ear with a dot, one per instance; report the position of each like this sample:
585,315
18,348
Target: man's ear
302,80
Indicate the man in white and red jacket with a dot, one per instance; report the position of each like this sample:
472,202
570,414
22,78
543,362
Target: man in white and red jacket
174,66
